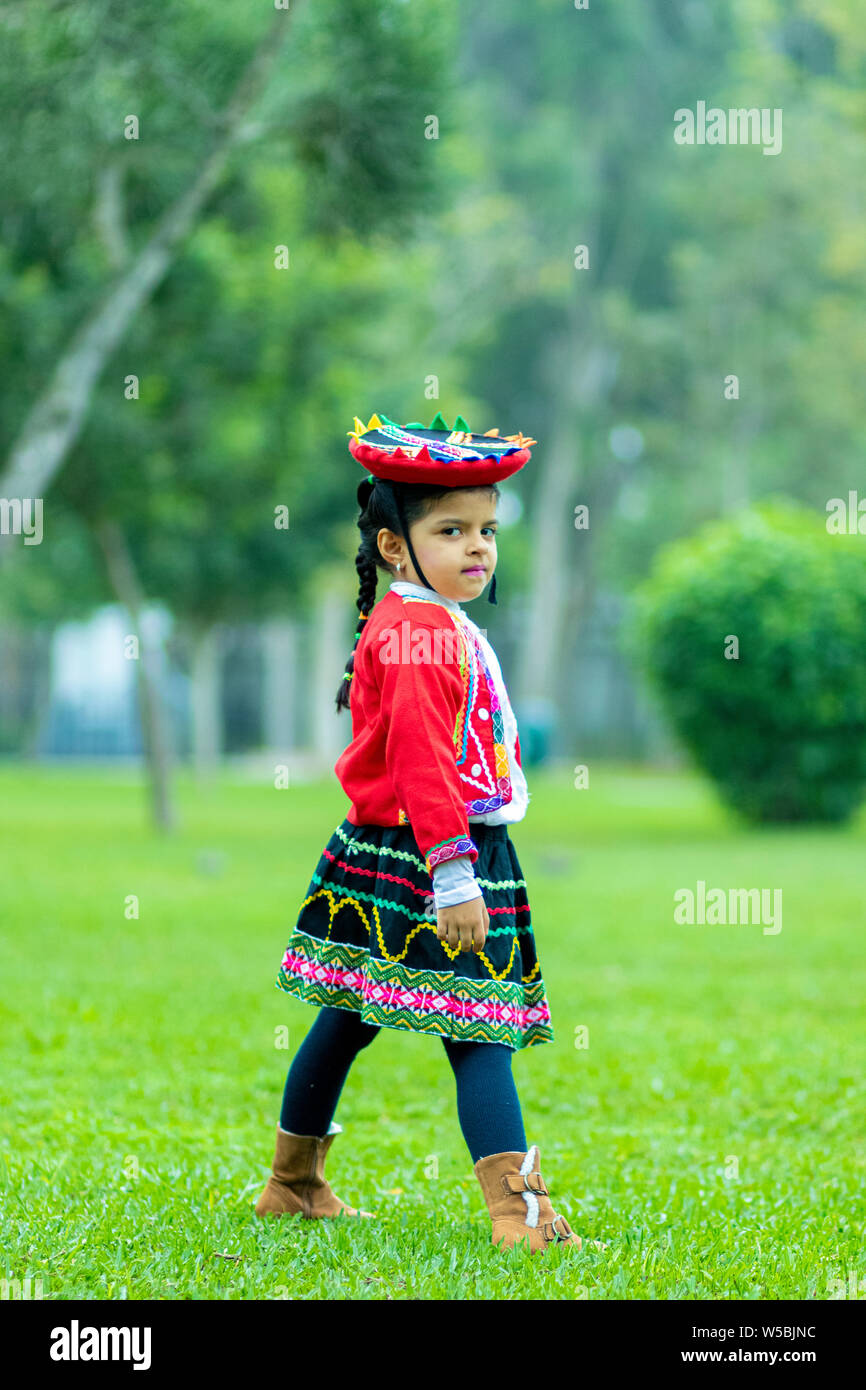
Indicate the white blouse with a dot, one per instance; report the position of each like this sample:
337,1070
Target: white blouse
454,880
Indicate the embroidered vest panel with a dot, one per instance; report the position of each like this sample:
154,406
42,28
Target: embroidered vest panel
479,733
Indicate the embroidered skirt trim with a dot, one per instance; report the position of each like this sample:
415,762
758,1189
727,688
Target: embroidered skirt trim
427,1001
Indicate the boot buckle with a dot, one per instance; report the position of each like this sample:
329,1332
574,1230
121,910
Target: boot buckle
525,1182
554,1233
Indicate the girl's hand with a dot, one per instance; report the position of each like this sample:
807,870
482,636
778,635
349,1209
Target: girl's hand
464,925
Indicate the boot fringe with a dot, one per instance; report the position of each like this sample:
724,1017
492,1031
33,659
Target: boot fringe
529,1197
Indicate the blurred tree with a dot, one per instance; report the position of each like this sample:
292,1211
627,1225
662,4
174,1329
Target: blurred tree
702,261
556,132
752,633
193,519
363,75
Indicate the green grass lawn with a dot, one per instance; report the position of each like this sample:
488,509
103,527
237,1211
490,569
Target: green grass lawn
711,1132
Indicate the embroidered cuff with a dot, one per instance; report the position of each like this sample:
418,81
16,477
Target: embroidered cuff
451,849
454,882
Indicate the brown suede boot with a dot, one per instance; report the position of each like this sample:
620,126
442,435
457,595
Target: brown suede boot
519,1203
298,1186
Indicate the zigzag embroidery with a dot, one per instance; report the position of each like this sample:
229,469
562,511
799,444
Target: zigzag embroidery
405,882
451,953
378,902
413,859
377,873
380,849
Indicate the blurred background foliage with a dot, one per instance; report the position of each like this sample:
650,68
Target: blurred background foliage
780,723
422,274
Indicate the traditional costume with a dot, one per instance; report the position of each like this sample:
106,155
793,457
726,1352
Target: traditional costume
434,778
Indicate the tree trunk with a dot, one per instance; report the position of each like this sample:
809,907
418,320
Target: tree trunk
12,684
280,661
332,643
42,639
736,480
583,374
153,719
205,690
53,424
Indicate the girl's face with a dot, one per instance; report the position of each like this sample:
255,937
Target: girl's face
455,544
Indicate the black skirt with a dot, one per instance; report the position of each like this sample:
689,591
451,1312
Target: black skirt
366,940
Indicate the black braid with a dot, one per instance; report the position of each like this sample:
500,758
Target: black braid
367,579
379,509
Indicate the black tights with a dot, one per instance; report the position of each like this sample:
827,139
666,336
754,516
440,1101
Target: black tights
488,1107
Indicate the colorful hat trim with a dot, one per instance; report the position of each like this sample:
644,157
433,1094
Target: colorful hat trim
436,453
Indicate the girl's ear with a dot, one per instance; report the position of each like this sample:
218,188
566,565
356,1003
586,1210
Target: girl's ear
389,546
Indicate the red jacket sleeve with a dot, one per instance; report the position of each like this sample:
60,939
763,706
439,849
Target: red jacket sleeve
421,702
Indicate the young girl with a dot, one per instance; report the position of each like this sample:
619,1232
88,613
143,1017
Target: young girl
395,930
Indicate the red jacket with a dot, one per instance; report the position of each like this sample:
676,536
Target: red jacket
428,747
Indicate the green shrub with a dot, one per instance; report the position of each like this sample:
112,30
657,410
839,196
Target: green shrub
782,729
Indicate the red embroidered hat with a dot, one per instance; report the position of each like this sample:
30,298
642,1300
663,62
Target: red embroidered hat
436,454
